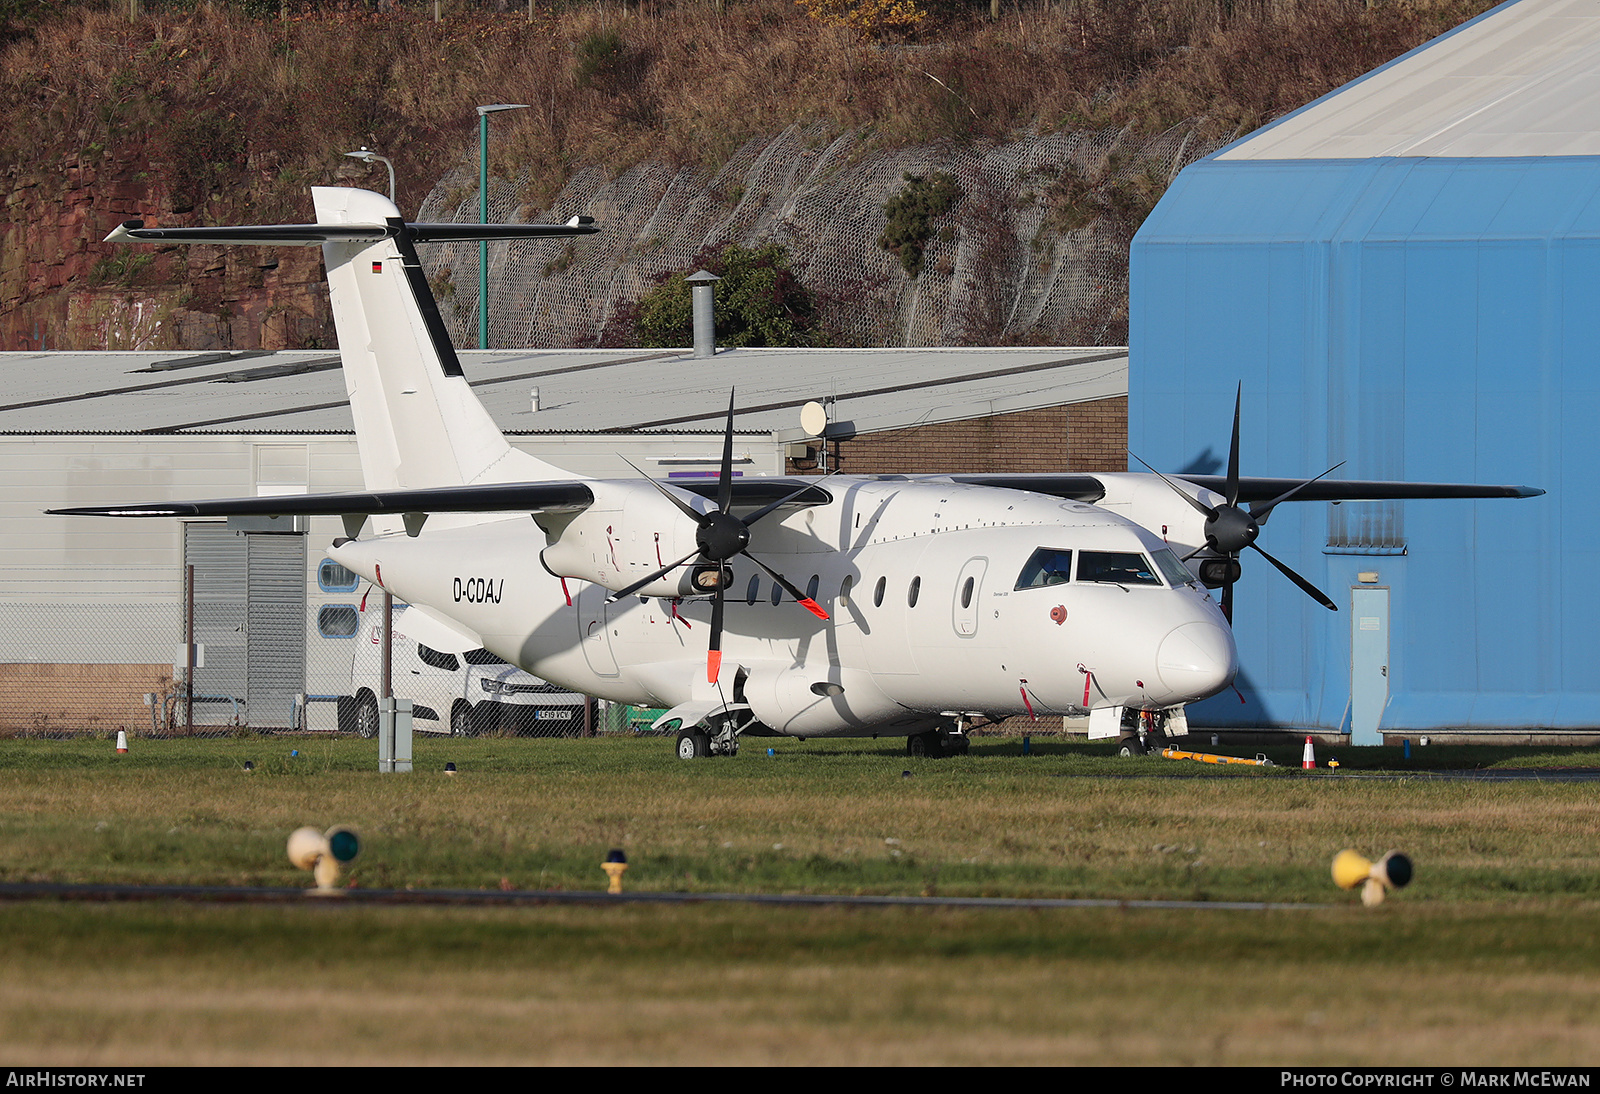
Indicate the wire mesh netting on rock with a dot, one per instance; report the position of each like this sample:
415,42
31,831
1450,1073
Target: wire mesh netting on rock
1034,252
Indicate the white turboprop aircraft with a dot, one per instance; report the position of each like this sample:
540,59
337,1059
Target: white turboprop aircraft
930,600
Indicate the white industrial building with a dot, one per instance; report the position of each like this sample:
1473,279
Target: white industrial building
94,608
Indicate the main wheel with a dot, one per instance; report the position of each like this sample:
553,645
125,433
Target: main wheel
461,723
366,715
922,744
693,745
1130,746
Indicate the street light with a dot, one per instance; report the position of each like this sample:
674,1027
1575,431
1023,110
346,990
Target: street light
366,157
483,213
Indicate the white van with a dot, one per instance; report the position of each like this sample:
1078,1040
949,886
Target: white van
460,694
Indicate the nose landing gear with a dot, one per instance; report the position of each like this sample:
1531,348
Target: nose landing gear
1143,732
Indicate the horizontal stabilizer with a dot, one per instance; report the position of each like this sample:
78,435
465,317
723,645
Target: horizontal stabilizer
309,235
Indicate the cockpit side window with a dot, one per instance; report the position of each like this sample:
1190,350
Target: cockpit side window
1046,566
1116,567
1172,568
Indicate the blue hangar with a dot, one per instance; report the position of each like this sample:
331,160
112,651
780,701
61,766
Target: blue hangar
1405,276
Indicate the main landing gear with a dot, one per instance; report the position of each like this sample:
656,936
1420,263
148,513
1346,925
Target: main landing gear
942,742
720,738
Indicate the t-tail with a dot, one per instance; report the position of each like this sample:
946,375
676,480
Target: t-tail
418,423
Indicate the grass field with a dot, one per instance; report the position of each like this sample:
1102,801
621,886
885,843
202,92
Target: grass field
1491,956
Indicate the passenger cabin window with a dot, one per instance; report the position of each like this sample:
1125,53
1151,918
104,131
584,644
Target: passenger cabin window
1116,567
812,585
753,593
844,591
338,621
966,592
334,578
1046,566
916,589
877,593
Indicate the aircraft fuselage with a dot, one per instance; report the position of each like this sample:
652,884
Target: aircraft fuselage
923,581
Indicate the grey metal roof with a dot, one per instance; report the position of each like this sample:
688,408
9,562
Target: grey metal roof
1520,80
580,391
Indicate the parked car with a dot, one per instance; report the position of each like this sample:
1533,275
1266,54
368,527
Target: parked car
464,695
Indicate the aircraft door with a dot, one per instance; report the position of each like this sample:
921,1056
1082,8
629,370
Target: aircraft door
595,629
969,586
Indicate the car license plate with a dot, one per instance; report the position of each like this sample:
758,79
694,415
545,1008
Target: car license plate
553,715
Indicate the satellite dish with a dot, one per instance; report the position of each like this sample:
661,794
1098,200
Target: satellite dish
813,419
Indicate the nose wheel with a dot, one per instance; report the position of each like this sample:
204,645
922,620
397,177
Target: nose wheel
1143,732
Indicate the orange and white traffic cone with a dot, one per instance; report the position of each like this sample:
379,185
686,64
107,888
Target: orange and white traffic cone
122,740
1308,759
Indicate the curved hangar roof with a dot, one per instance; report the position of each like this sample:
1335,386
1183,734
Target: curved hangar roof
1520,80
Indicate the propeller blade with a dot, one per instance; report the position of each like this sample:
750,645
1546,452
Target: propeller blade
714,653
801,598
1199,506
642,582
1309,589
684,507
1233,449
725,476
1259,513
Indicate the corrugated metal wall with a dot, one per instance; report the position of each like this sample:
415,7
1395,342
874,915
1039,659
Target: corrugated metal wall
1429,319
250,614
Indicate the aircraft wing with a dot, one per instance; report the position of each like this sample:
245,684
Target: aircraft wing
1086,487
509,497
1251,489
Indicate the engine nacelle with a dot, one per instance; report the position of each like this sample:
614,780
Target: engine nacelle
629,531
1151,503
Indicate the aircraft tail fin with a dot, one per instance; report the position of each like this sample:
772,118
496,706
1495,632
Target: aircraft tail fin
418,423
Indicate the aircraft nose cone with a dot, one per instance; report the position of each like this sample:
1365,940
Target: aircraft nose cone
1197,659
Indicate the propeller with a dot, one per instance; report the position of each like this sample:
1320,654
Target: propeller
719,536
1230,530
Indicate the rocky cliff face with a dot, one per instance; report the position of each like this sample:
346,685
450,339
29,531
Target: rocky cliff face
61,288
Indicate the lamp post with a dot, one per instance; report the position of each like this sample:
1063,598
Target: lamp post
483,213
367,157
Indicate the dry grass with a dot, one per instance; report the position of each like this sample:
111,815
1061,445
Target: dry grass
240,113
813,818
636,985
1490,957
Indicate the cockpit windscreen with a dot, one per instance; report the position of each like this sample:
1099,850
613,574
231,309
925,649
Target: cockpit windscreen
1116,567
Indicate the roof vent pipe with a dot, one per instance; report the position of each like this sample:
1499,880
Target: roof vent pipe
705,322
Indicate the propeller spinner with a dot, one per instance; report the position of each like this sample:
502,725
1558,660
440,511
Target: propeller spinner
720,536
